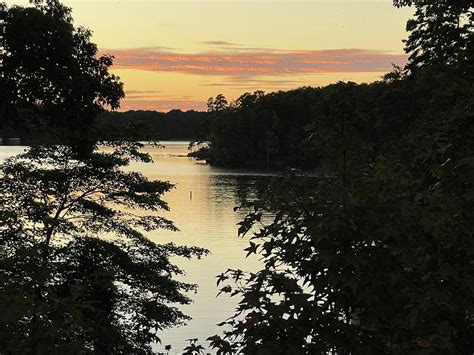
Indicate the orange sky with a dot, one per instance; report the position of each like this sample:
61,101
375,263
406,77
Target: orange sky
176,54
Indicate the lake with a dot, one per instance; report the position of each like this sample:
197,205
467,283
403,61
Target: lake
202,207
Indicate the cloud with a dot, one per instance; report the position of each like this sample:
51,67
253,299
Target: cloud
220,43
144,91
137,94
258,62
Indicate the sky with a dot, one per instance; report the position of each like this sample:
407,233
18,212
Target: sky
175,54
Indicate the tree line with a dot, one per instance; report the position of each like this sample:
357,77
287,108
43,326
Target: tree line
78,273
372,256
375,256
172,125
147,125
275,129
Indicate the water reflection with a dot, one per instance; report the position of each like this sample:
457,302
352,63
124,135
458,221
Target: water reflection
202,207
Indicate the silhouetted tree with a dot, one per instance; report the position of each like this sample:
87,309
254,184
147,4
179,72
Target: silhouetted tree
440,32
78,272
52,74
376,255
217,104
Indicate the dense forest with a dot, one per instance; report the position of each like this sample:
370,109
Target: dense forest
148,125
375,255
280,128
295,128
172,125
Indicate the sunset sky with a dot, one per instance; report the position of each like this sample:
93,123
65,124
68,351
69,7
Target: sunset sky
176,54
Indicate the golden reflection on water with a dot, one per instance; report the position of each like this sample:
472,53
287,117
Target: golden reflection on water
201,206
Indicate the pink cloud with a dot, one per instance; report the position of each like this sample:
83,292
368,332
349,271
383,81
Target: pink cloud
258,62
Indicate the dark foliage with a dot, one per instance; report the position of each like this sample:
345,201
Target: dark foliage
375,256
273,129
261,129
53,81
78,272
174,124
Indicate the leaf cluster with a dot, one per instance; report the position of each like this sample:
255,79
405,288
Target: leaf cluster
79,272
375,255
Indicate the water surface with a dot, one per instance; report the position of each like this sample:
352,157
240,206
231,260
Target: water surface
202,207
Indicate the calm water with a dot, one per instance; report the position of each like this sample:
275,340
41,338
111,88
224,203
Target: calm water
206,220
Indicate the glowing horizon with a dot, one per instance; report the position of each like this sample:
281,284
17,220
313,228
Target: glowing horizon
176,54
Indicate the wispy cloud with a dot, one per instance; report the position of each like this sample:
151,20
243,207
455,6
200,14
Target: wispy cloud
258,62
220,43
140,94
144,91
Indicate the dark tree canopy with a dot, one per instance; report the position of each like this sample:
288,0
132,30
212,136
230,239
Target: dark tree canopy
372,256
375,255
79,274
440,33
172,125
53,75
